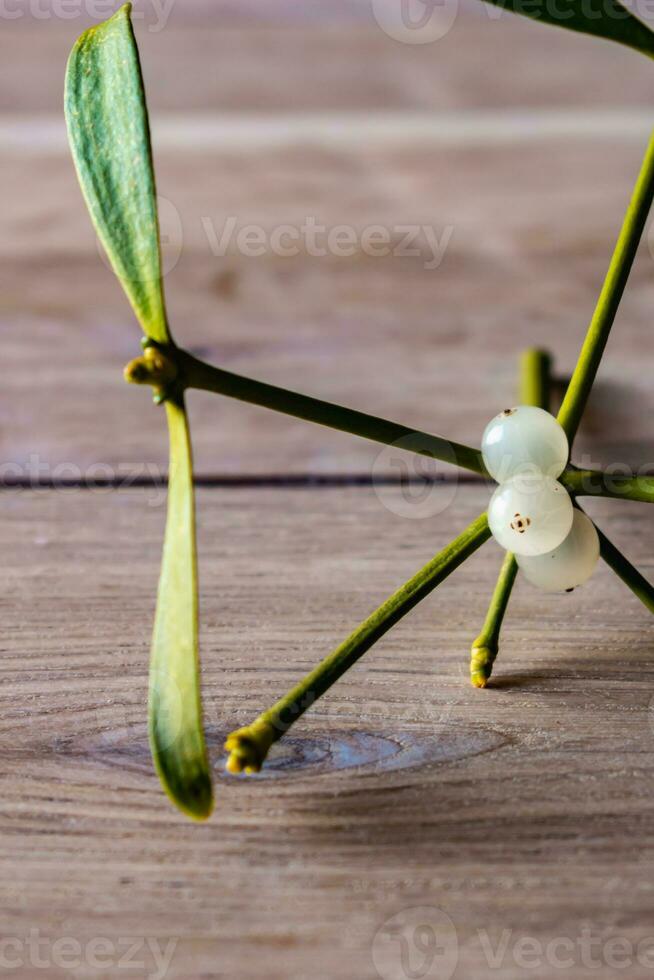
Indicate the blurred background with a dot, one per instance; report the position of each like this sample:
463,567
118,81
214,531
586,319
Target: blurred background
380,204
375,213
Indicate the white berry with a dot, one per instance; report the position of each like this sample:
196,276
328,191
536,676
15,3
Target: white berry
569,565
524,439
530,514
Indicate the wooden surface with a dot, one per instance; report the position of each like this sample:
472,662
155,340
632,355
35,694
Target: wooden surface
527,254
523,811
525,807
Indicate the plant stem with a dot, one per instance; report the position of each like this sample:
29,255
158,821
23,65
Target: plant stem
535,388
535,377
249,746
607,305
484,649
198,374
626,571
594,483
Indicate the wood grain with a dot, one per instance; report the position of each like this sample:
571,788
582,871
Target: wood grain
526,257
526,806
522,812
321,56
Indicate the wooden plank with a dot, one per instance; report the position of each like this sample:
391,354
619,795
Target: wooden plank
526,807
431,347
308,57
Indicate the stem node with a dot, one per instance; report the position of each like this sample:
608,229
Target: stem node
248,747
153,368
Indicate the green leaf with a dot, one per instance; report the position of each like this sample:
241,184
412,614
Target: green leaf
109,135
602,18
176,734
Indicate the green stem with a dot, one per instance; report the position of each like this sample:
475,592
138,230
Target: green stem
607,305
197,374
249,746
593,483
535,377
484,649
626,571
535,388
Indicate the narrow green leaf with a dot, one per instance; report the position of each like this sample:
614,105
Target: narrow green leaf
109,135
176,734
608,19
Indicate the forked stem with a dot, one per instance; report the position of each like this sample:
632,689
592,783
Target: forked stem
249,746
535,389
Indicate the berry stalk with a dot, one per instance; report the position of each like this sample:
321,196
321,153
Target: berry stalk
535,387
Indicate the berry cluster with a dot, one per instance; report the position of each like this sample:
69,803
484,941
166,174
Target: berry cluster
531,514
